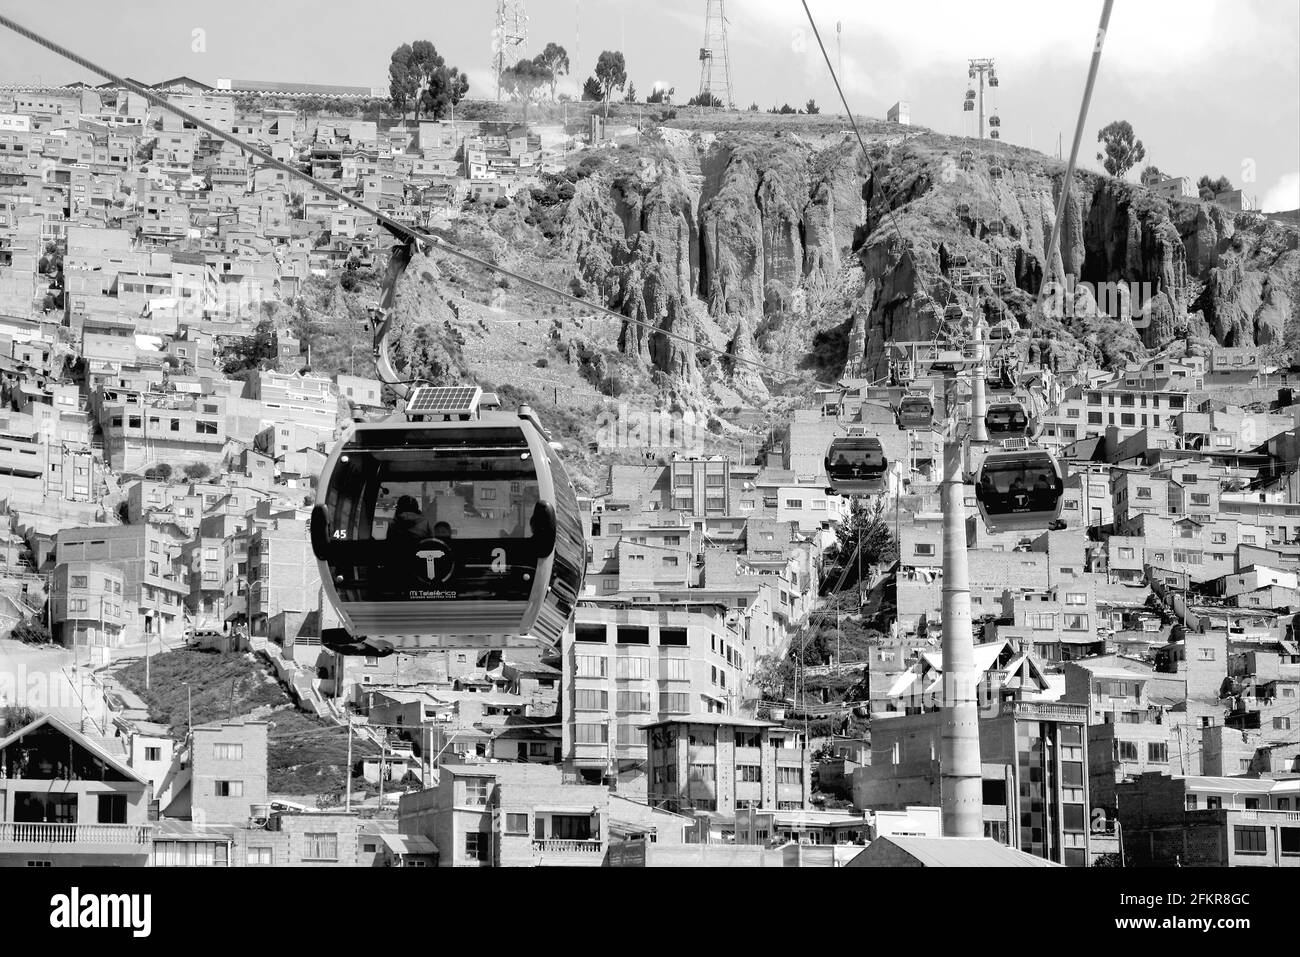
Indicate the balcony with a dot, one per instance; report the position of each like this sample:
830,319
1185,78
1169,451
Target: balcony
561,846
1046,711
568,853
106,836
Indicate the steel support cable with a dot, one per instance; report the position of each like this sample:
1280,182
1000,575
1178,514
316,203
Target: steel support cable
1067,183
406,234
889,203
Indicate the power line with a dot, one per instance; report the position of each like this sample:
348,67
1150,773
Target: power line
408,234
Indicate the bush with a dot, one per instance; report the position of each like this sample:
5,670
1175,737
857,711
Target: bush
161,472
501,203
541,363
197,472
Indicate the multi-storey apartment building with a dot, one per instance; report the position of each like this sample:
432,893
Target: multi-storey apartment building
721,764
626,664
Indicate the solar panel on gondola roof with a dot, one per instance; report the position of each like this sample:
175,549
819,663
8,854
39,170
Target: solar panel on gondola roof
443,400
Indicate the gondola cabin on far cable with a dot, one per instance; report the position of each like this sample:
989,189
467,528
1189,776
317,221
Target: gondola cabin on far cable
1019,490
1006,419
453,523
915,412
856,464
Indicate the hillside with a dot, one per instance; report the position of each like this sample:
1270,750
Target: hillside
305,755
771,239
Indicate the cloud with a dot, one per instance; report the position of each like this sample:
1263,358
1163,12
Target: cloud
1283,195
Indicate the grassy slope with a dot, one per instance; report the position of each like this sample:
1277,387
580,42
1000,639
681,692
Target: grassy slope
306,755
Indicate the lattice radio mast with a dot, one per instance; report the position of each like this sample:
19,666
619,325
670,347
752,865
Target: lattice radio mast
509,37
715,64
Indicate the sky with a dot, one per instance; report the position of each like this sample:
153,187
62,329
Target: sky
1210,86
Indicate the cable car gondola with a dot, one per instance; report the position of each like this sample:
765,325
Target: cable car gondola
1019,490
1006,418
856,464
915,412
464,527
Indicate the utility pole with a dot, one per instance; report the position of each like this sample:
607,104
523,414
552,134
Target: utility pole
978,404
347,772
962,795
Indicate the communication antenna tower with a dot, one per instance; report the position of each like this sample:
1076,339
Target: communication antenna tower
715,64
509,37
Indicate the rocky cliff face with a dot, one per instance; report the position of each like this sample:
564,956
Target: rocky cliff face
762,245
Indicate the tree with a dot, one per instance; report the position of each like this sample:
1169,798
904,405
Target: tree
419,77
783,109
524,79
704,99
661,94
591,90
1152,171
158,473
1208,187
402,85
611,71
197,471
555,59
865,524
250,351
631,93
773,675
811,108
1121,149
753,107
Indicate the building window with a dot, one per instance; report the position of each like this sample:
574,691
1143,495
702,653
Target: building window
1128,750
517,824
153,754
789,775
1076,598
228,752
1249,840
229,789
259,856
1205,654
203,427
636,701
702,772
592,666
320,847
477,790
924,548
1289,839
633,668
674,702
586,699
1157,752
749,773
591,734
79,581
1281,724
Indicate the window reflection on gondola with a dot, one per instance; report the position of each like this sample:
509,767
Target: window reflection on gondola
1006,419
418,523
855,464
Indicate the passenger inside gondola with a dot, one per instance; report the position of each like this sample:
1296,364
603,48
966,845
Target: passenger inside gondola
414,524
